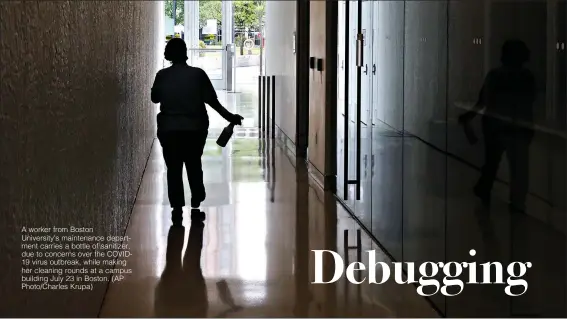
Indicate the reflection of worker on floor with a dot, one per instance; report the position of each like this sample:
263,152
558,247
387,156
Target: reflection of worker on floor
507,96
182,291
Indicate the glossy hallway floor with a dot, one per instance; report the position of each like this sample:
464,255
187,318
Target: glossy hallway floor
263,219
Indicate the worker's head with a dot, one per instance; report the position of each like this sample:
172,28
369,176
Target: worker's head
176,51
515,53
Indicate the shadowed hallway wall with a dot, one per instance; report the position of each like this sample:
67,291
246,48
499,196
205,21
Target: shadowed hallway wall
281,61
76,127
322,81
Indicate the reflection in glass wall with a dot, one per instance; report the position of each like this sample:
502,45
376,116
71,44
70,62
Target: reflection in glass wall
468,140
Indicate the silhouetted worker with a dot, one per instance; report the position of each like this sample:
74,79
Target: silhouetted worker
507,96
183,122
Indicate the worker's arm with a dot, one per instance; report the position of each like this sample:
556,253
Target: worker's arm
480,103
210,97
232,118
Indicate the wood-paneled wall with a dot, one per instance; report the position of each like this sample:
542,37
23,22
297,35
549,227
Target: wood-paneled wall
322,92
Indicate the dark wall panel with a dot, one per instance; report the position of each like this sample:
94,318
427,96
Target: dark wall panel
425,71
431,59
387,149
388,104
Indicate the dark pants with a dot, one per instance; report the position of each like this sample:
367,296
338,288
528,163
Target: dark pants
183,147
497,140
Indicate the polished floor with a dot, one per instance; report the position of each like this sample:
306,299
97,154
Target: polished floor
252,256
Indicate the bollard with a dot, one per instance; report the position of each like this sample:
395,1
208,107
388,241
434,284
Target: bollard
273,106
263,105
267,106
268,102
259,104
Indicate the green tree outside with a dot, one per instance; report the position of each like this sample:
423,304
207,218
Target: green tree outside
180,10
210,9
245,14
248,14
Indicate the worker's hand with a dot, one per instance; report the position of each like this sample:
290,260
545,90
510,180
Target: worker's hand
236,119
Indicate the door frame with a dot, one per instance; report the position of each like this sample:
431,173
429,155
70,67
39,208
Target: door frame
302,70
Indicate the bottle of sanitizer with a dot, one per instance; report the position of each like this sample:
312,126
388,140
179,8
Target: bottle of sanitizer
225,135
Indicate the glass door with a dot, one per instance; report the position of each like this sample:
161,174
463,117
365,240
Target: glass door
354,98
209,35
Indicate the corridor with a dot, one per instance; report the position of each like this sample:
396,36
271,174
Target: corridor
263,217
426,158
252,256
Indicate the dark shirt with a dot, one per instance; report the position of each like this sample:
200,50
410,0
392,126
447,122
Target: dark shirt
508,94
182,92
